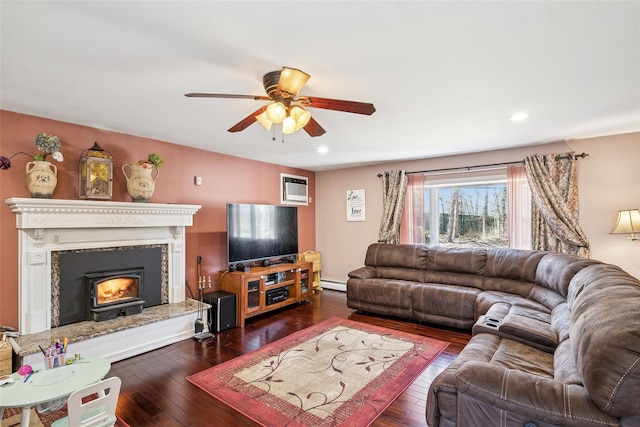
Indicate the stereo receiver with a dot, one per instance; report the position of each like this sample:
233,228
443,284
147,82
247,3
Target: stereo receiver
274,296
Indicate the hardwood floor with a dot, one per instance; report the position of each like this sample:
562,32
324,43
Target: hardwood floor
156,393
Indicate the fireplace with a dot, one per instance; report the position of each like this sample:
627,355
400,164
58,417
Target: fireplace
115,293
75,271
48,228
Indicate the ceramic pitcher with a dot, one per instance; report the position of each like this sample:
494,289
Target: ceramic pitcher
42,178
141,181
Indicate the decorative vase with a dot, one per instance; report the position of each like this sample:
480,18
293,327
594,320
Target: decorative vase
141,181
42,178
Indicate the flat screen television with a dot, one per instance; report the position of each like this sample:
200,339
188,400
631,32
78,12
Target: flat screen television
261,232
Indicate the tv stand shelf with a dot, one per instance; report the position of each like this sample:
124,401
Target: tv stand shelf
263,289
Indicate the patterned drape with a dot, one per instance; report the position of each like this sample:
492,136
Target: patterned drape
394,188
554,212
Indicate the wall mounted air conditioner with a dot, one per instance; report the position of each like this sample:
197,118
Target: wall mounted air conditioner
294,189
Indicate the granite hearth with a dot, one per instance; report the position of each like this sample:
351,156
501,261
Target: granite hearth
151,327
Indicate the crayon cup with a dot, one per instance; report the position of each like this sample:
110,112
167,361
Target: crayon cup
48,362
54,361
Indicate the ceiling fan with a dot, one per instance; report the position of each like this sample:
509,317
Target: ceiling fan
286,107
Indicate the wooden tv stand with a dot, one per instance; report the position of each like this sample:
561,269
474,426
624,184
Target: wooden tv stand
264,289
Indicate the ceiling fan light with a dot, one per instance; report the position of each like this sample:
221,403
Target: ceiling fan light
300,116
264,120
292,80
276,112
289,125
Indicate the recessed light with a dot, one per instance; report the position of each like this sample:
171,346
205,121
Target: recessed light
518,117
322,149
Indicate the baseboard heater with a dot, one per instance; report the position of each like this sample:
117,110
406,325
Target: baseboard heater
333,285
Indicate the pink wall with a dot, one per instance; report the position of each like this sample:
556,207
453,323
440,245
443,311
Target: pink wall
225,179
607,181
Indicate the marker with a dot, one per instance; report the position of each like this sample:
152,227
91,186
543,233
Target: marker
28,376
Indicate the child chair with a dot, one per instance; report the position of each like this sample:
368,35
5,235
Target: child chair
99,412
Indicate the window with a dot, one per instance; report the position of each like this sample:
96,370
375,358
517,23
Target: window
463,211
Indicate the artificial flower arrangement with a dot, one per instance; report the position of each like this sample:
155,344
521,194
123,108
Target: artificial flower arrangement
153,159
47,144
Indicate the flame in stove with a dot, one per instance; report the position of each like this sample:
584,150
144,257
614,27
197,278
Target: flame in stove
117,289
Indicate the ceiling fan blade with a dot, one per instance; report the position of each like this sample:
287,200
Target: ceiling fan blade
338,105
247,121
313,128
224,95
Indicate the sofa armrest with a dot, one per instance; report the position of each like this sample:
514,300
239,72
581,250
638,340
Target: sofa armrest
363,273
527,395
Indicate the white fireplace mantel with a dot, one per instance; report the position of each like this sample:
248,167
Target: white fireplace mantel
49,225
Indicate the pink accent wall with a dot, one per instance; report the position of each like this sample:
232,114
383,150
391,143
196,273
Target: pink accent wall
607,180
226,179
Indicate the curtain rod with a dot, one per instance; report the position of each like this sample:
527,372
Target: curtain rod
469,168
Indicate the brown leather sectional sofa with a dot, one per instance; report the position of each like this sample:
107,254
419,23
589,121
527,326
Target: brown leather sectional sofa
556,338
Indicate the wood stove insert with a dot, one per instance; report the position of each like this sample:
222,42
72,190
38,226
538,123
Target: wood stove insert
115,293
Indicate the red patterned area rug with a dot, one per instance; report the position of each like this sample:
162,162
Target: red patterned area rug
338,372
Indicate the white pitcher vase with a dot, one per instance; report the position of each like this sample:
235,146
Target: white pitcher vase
141,181
42,178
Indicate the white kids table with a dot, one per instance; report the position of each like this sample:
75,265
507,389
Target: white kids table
46,385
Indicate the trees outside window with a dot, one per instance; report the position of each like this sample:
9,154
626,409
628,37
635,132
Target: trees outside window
491,210
471,215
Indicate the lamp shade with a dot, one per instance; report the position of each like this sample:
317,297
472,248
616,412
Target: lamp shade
264,120
291,81
628,223
289,125
300,116
276,112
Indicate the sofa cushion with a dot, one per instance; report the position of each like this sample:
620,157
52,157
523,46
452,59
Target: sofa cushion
381,296
515,264
511,286
486,299
400,273
454,278
402,262
588,276
445,304
531,327
561,320
605,337
407,256
457,260
555,271
564,365
492,395
363,273
442,397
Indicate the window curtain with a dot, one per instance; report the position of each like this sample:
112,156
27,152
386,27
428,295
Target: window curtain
554,213
519,214
413,221
394,187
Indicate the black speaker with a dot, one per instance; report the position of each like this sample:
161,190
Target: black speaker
222,314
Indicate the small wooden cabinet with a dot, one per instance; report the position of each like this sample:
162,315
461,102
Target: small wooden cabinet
268,288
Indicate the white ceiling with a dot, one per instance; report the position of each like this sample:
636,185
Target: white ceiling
444,76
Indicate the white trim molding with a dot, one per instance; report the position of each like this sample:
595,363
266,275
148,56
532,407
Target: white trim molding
48,225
